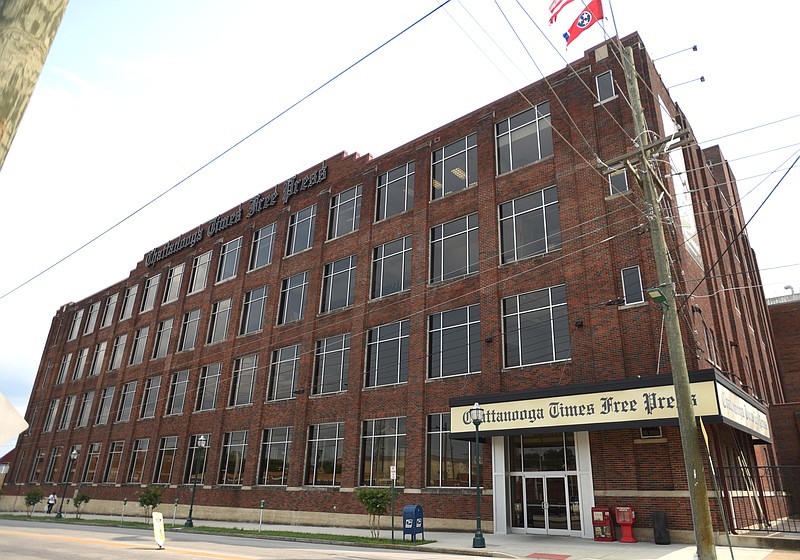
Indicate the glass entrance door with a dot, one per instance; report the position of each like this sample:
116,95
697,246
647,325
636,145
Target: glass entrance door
545,504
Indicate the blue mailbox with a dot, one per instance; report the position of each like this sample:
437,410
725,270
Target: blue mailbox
413,522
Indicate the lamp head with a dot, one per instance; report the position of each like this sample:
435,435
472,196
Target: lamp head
476,413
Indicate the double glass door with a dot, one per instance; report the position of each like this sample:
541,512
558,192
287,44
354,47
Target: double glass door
545,504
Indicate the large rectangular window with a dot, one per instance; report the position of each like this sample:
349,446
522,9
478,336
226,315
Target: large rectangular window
127,302
51,473
283,373
36,466
530,225
536,327
104,407
149,293
218,322
243,380
387,354
117,351
331,365
263,246
138,460
253,311
324,457
301,230
391,267
98,357
172,289
229,259
75,327
454,248
383,445
80,363
345,212
234,449
605,86
150,397
618,182
50,418
454,342
632,285
167,450
455,167
273,465
449,460
126,401
188,338
85,410
199,277
293,298
92,461
113,461
108,312
196,459
64,368
178,384
91,319
161,345
66,412
207,387
395,193
524,138
338,284
139,342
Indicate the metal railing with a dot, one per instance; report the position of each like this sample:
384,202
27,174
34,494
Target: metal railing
762,499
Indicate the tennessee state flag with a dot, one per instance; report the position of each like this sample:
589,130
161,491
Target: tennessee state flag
587,18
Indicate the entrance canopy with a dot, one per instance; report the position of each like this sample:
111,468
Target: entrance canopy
628,403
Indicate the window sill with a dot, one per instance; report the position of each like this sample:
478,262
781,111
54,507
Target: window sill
307,249
448,195
615,196
538,161
633,305
604,101
440,283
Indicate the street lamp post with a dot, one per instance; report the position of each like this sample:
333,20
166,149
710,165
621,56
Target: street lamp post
477,414
201,444
72,456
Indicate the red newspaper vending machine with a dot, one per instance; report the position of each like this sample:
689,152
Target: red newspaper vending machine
625,518
603,524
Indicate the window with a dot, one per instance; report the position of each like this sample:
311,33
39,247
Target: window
199,276
161,345
263,245
66,413
387,354
189,330
139,342
196,460
167,449
331,365
126,401
64,368
391,267
218,323
91,319
395,193
75,328
243,380
632,285
454,342
51,474
149,293
618,181
127,302
338,284
108,312
98,357
117,351
80,363
324,460
530,225
207,387
455,167
383,445
293,298
524,138
535,327
454,248
85,410
273,465
92,460
229,259
651,432
36,467
50,418
138,458
283,373
173,286
104,408
605,86
150,397
178,384
345,212
234,446
301,230
253,311
448,460
113,462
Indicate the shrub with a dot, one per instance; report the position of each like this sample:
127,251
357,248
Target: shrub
150,498
376,501
31,499
81,500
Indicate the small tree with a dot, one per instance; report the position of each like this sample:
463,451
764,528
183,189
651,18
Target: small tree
80,500
376,501
31,499
150,498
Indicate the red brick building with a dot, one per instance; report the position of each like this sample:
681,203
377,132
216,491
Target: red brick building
320,334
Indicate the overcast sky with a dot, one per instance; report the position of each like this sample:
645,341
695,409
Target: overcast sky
135,95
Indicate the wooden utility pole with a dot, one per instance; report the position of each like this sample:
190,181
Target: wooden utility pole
698,493
27,29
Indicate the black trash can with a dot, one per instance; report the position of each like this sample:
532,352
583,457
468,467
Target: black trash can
660,530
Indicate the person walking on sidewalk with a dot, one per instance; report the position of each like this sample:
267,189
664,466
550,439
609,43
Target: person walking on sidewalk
51,501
